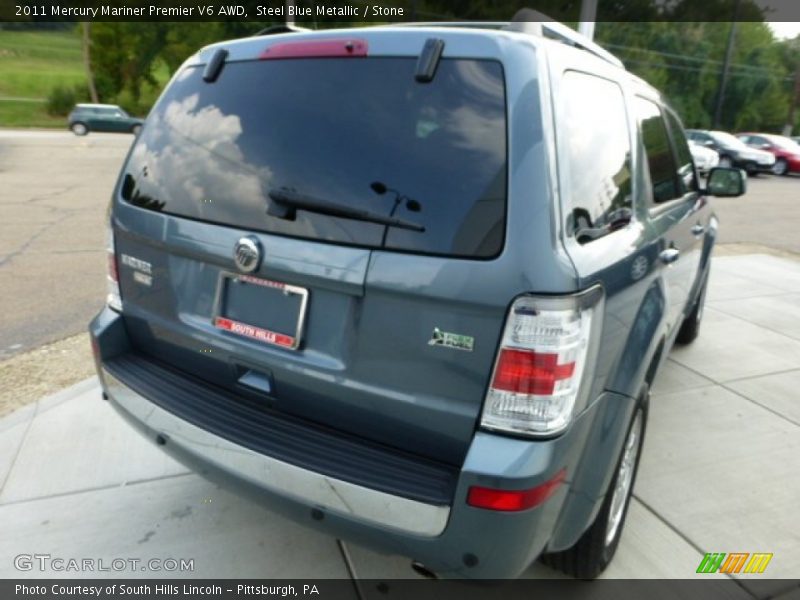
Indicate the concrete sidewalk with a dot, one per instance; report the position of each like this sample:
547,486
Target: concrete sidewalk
720,470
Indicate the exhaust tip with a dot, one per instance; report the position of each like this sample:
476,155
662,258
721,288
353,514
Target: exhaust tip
422,570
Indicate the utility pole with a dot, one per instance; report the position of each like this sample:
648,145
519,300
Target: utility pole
587,18
86,47
790,119
289,18
723,79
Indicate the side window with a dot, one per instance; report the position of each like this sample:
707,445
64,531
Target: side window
686,176
658,151
598,156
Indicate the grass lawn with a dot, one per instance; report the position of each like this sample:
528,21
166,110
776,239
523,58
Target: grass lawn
15,113
34,62
31,64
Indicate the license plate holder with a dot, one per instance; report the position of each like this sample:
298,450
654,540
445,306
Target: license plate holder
264,310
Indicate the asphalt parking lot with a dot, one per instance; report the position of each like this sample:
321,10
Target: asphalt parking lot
719,471
54,190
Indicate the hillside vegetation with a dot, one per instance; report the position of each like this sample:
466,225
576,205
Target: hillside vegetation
32,63
36,64
681,55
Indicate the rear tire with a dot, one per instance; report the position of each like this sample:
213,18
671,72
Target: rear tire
79,128
690,327
593,552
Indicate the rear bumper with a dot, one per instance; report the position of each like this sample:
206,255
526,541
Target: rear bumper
197,446
453,540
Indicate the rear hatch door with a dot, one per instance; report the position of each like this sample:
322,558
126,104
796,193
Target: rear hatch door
378,329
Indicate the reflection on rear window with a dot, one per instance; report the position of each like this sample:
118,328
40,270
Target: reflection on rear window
359,132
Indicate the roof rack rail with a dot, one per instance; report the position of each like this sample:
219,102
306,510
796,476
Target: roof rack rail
533,22
285,28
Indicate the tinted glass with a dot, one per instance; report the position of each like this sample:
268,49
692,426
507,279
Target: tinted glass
598,167
356,132
657,147
686,177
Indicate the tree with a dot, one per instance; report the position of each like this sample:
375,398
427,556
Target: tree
87,60
125,55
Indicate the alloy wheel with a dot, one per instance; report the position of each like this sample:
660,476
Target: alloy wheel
624,479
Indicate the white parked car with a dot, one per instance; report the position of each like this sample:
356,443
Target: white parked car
705,159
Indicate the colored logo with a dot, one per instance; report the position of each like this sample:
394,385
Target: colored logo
451,340
734,562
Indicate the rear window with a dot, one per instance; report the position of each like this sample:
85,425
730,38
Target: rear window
356,132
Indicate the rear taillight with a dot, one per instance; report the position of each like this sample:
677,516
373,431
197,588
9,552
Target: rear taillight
536,384
113,297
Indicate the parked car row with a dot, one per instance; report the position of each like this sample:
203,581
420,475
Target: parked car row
732,151
785,150
704,158
753,152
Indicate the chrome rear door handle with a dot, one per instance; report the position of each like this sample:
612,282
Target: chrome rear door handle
698,230
669,256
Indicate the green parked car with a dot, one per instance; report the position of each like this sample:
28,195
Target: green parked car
102,117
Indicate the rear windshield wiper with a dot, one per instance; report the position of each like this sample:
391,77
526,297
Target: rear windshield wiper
291,200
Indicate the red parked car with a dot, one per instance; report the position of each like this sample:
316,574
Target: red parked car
786,150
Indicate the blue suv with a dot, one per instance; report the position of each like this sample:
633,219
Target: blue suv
410,285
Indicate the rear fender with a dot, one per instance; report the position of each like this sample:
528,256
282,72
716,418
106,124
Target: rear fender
643,354
643,342
610,417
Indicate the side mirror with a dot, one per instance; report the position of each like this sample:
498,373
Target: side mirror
708,143
726,183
